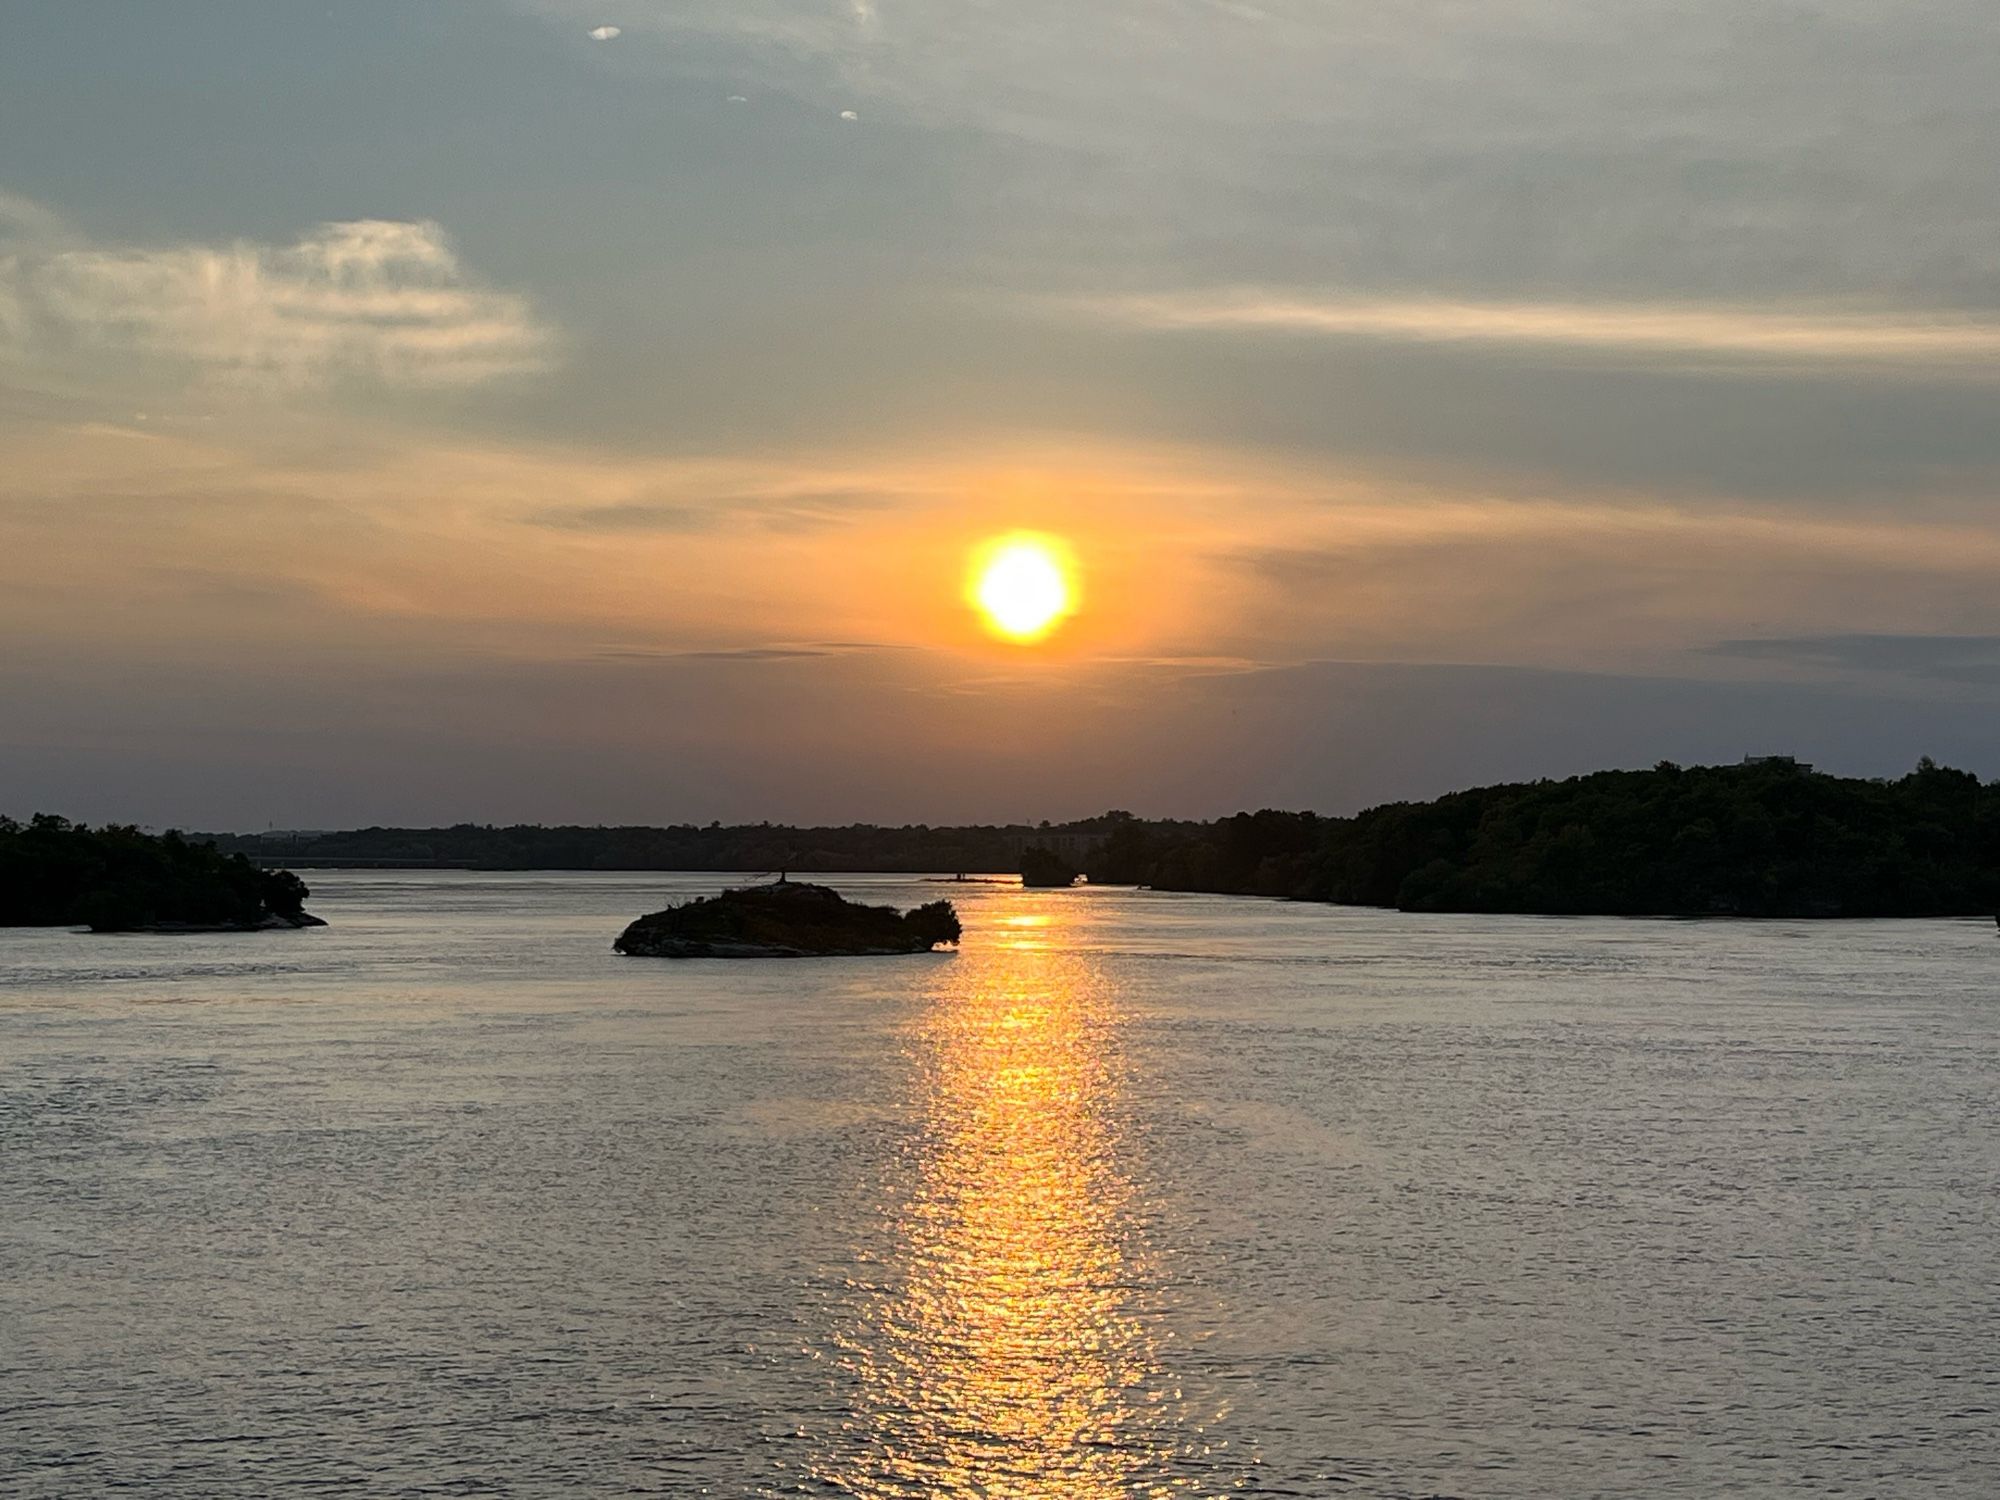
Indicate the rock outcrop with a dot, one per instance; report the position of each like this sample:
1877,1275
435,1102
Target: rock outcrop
786,919
271,922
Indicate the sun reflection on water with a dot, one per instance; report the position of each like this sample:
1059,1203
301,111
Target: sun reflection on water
1014,1350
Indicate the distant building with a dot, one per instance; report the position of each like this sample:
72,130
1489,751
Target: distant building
1781,762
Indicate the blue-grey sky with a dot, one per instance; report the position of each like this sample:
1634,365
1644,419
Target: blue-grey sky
534,410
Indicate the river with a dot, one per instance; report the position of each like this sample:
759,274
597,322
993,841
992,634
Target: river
1137,1194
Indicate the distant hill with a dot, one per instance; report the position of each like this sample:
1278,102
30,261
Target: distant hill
114,879
1764,840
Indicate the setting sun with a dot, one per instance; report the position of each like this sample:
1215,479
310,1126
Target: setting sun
1023,585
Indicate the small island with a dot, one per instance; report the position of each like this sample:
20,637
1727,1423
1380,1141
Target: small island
55,873
1044,870
786,919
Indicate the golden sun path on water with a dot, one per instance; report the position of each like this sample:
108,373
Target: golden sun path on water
1016,1348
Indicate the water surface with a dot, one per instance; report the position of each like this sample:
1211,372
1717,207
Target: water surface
1138,1194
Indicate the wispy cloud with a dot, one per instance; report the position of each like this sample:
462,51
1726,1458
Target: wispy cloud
1633,329
803,651
1701,148
638,516
1946,658
373,299
26,225
777,504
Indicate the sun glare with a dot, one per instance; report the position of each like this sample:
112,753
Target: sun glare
1023,585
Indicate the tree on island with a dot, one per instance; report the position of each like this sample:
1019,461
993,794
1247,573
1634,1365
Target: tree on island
1043,869
54,873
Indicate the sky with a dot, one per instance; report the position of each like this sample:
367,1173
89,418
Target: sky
522,410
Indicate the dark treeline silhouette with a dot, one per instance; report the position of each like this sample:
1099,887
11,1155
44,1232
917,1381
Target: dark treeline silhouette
861,847
1749,840
1772,839
115,879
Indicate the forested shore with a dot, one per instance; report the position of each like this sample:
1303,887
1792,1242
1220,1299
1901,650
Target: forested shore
1772,839
1765,840
55,873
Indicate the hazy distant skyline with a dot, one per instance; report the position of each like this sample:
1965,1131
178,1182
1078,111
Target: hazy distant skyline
548,412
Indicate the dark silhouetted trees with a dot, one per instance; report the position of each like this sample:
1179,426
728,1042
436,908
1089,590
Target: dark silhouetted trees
1752,840
57,873
1771,839
1044,869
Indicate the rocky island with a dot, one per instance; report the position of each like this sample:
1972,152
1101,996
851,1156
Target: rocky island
55,873
786,919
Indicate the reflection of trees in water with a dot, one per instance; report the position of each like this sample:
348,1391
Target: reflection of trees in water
1016,1355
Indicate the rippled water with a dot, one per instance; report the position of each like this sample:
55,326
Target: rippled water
1137,1195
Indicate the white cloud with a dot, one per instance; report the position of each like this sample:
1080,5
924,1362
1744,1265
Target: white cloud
372,299
848,114
606,33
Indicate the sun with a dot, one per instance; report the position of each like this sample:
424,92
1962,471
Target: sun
1024,585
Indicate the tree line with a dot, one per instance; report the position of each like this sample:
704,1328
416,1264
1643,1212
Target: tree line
1746,840
979,849
1749,840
